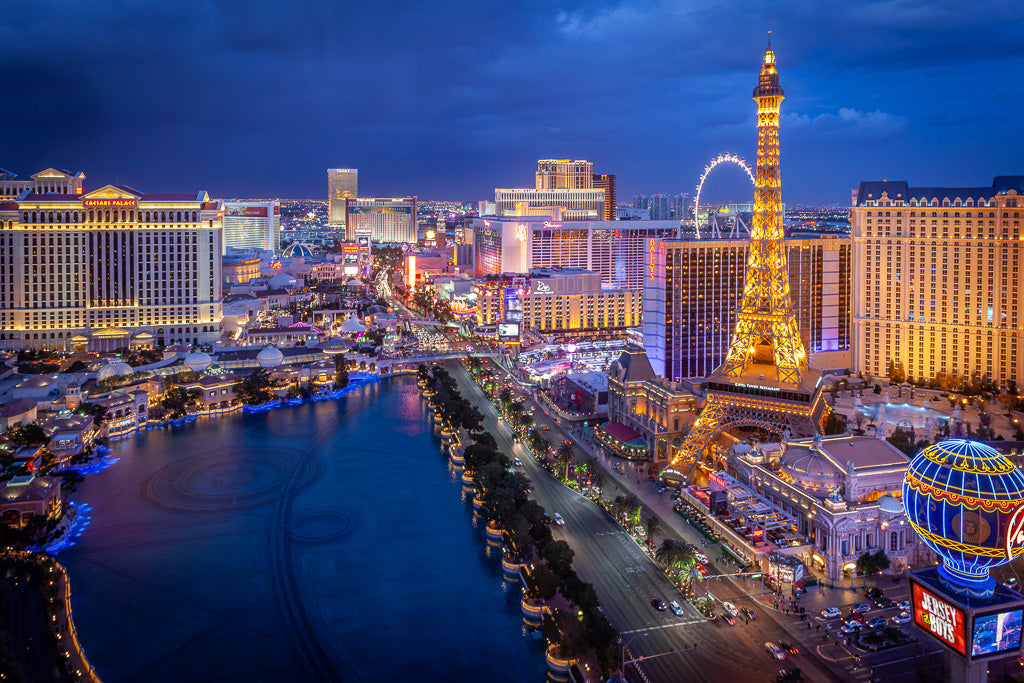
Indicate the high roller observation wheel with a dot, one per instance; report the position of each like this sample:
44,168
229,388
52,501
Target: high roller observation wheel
714,163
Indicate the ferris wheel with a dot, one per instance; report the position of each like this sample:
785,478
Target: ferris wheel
713,164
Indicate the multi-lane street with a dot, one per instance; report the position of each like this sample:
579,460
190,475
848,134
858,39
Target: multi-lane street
672,648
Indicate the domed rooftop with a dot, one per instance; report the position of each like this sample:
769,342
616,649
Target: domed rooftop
335,345
891,504
198,361
270,357
115,369
282,281
810,467
297,250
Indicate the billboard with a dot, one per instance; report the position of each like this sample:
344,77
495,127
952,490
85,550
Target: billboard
508,330
512,309
350,270
994,633
943,620
363,241
246,211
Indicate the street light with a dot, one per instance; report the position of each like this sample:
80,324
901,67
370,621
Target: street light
622,654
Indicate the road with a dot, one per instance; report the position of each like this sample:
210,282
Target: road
625,579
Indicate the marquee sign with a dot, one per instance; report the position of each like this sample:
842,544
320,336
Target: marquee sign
119,203
943,620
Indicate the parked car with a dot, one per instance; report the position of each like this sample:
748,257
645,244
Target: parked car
861,607
676,609
658,604
831,613
775,651
901,618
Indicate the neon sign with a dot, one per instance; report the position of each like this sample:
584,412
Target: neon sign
1014,532
111,203
938,617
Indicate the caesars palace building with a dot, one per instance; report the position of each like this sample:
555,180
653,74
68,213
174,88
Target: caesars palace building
106,269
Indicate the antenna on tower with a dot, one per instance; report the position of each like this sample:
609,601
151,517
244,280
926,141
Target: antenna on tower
769,39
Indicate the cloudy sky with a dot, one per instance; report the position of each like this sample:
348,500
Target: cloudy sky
449,99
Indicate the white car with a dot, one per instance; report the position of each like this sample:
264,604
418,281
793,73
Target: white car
831,613
903,605
676,609
558,519
901,618
775,651
731,609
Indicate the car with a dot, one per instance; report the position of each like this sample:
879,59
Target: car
861,607
855,616
831,613
731,609
701,557
873,593
775,651
676,609
901,618
903,605
518,462
546,428
558,519
877,622
850,628
882,602
658,604
727,618
791,649
748,613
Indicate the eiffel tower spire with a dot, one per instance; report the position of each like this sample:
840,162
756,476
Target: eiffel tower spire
766,332
765,381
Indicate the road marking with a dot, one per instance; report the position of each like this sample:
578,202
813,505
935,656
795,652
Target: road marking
690,622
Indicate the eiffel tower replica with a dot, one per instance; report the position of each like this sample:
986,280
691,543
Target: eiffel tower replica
765,381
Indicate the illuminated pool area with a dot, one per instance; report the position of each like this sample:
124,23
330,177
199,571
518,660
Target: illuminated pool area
895,413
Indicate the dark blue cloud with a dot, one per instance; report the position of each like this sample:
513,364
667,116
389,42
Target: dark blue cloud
450,99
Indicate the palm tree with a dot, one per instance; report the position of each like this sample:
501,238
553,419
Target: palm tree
525,421
564,455
515,414
652,526
504,398
677,557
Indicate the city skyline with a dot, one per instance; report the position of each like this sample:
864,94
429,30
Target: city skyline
453,100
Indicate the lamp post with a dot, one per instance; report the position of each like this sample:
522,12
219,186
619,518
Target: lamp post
622,654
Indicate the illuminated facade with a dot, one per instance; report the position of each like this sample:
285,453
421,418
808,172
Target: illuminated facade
556,300
252,225
109,268
383,220
572,205
49,181
693,288
564,174
843,493
614,249
938,280
764,381
342,184
606,182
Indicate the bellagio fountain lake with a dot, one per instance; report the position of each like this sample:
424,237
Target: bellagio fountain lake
324,541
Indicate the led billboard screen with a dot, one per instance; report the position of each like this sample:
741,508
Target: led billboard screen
995,633
945,622
508,330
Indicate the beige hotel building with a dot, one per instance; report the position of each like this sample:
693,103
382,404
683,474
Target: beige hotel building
109,268
936,279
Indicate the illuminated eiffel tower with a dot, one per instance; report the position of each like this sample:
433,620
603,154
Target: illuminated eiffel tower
765,381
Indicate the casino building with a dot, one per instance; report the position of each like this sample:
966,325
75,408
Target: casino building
109,268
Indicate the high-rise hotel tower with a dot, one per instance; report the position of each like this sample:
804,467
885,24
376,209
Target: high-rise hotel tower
937,273
108,269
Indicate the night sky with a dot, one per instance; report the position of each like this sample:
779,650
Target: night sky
448,99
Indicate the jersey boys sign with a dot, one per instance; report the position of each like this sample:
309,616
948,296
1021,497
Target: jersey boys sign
943,620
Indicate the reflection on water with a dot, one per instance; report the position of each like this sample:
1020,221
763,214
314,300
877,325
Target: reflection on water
325,541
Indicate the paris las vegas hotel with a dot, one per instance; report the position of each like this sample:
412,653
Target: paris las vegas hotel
937,279
106,269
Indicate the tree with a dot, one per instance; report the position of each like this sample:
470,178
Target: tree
544,583
255,388
341,371
873,563
27,435
559,556
652,527
897,375
98,411
564,455
679,557
834,424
